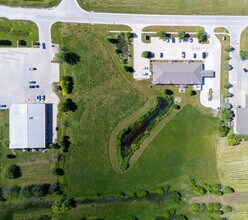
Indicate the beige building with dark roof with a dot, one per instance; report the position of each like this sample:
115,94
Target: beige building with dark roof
179,73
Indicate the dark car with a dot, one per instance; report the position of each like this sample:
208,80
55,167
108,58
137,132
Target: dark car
204,55
3,106
31,82
194,55
31,87
245,70
161,55
173,40
183,55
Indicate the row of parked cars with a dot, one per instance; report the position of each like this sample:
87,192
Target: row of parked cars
173,40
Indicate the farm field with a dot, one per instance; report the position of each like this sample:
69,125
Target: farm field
30,3
15,30
188,7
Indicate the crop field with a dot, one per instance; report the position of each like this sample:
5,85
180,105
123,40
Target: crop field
30,3
183,7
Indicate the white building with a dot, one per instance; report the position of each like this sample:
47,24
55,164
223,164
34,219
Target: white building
27,126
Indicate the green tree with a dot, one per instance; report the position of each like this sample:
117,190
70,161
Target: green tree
69,57
227,209
195,207
61,205
26,192
168,92
161,34
226,114
67,105
243,54
227,85
181,35
202,37
147,54
40,190
128,35
128,69
223,130
198,190
228,189
11,171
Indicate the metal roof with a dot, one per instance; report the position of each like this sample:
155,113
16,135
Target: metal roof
241,118
179,73
27,126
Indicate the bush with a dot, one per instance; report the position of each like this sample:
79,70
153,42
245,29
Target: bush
195,207
128,35
128,69
67,105
168,92
11,171
5,42
216,187
228,48
22,43
175,196
61,205
10,156
59,172
160,191
223,130
117,50
226,114
143,193
228,189
40,190
227,209
166,214
26,192
65,143
176,106
232,140
67,84
192,92
161,34
55,188
198,190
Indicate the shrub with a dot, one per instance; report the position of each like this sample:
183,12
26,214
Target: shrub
227,85
166,214
223,130
61,205
243,54
226,114
168,92
160,191
161,34
71,58
113,40
5,42
59,172
232,140
195,207
227,209
216,187
67,105
40,190
11,171
228,189
192,92
26,192
176,106
65,143
67,84
198,190
226,105
228,48
22,43
10,156
129,35
143,193
175,196
128,69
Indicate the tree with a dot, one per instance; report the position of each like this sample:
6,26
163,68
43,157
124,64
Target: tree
11,171
59,172
128,35
22,43
233,140
223,130
128,69
62,204
147,54
67,105
168,92
227,94
26,192
198,190
192,92
161,34
202,37
227,85
243,54
67,84
226,114
176,106
65,143
195,207
227,209
71,58
181,35
40,190
228,189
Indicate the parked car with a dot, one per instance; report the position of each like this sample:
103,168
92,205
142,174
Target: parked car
3,106
32,68
145,74
195,56
31,82
161,55
37,86
204,55
245,70
173,40
31,87
43,97
38,98
167,39
183,55
190,39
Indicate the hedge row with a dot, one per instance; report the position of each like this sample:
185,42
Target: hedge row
129,139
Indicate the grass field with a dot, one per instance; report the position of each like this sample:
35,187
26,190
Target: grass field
15,30
35,167
104,99
30,3
221,30
173,28
244,40
199,7
224,61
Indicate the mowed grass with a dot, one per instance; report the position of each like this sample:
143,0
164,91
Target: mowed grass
30,3
244,40
35,167
15,30
184,7
184,147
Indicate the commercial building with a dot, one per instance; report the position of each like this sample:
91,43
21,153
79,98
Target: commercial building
179,73
27,126
241,119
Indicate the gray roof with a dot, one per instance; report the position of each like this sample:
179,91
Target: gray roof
27,126
242,121
241,118
179,73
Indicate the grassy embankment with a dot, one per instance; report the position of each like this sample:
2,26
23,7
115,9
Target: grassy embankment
15,30
30,3
189,7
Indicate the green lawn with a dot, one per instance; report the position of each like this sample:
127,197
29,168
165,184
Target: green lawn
244,40
199,7
15,30
30,3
